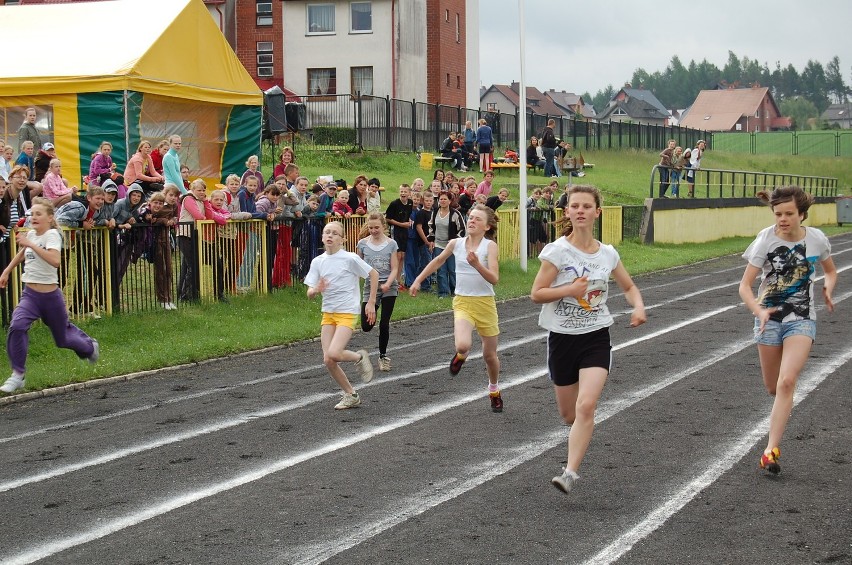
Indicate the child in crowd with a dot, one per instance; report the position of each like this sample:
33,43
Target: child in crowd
184,175
54,187
474,307
211,253
252,170
334,275
341,205
247,196
127,238
102,168
784,311
497,200
233,237
412,248
161,214
374,197
417,186
677,167
572,287
485,186
398,215
40,252
326,200
379,251
424,248
193,207
46,153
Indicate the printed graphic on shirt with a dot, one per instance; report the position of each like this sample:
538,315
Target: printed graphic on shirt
581,312
788,283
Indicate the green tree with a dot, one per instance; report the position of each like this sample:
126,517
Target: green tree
733,69
814,85
601,99
800,110
835,85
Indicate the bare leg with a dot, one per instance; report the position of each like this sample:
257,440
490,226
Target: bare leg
794,354
463,333
334,342
577,404
492,361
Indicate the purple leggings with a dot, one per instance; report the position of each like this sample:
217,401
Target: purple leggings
50,307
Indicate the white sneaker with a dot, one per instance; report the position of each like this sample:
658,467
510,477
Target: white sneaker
96,354
170,306
13,383
348,401
384,363
365,368
565,481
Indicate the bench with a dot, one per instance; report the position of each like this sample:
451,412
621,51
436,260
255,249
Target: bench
509,166
443,160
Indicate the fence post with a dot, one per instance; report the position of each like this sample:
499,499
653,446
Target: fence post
414,125
598,135
459,121
388,122
359,124
437,126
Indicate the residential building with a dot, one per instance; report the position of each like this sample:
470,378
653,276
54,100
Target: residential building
735,109
635,105
572,104
839,115
505,98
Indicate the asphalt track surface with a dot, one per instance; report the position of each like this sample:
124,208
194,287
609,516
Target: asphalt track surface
243,460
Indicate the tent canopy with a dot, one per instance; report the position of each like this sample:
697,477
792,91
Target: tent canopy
166,47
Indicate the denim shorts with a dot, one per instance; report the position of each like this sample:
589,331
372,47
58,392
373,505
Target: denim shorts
774,333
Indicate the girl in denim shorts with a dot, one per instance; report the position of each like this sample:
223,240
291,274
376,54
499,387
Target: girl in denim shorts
785,255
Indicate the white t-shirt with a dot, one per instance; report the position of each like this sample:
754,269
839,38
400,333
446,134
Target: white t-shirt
788,268
469,282
569,315
36,269
342,271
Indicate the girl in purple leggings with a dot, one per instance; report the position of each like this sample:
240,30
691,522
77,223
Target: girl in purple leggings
40,250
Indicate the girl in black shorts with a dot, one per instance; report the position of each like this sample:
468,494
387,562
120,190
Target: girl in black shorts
572,286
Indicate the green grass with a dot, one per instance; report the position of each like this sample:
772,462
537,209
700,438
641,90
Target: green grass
623,176
142,341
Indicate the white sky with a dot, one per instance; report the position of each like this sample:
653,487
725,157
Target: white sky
583,46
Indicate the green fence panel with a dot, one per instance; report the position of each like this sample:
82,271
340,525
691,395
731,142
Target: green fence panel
100,117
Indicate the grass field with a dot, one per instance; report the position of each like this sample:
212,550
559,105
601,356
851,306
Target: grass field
151,340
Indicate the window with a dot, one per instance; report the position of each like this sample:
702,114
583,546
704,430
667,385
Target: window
757,113
264,46
491,106
448,79
458,29
447,15
264,13
619,112
320,19
757,129
264,71
361,17
264,58
458,81
322,81
362,80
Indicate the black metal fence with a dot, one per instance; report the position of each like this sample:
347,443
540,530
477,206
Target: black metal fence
720,183
385,124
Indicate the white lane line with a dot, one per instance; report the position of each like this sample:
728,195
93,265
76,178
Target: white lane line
48,548
275,376
727,458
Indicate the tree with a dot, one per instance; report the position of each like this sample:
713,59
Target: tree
601,99
814,84
835,85
800,110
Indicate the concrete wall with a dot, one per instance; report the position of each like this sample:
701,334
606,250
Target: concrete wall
698,221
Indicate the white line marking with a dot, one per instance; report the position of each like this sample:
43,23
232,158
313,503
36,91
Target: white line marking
48,548
728,456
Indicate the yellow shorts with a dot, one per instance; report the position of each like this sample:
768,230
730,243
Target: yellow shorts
481,311
339,319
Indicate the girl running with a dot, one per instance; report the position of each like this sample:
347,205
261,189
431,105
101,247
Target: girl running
571,285
379,251
474,307
335,274
42,298
784,313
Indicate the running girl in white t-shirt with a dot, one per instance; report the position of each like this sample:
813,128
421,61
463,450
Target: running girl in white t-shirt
572,286
40,252
784,315
335,274
474,307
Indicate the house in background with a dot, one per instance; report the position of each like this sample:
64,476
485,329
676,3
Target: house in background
735,109
572,104
634,105
505,98
839,115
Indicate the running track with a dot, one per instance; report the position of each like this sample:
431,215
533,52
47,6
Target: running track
243,460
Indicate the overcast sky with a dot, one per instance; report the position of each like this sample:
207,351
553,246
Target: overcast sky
583,46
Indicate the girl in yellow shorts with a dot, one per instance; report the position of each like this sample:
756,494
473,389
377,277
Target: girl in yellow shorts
335,274
477,271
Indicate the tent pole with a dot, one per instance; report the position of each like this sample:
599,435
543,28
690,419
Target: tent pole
126,130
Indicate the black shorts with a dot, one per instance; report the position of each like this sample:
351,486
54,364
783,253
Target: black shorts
568,353
484,148
401,239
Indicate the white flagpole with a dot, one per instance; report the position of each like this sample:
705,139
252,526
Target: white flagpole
522,146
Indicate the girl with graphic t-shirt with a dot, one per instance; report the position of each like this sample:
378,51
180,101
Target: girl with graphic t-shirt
40,250
380,252
572,287
784,315
335,275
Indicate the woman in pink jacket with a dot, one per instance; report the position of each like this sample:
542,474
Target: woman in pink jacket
140,169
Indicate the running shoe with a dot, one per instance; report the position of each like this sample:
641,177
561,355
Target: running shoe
565,481
13,383
384,363
365,368
348,401
496,401
769,461
96,352
456,364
